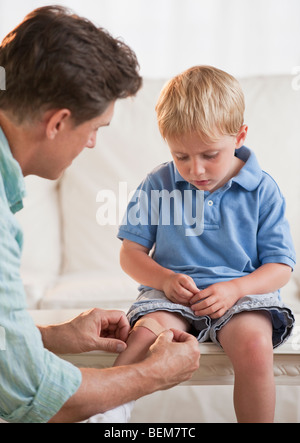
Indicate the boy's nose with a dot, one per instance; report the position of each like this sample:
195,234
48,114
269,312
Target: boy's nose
196,167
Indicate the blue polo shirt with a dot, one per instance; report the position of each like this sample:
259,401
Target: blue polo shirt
34,383
211,237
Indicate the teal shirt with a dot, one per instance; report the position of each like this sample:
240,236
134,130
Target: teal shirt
34,383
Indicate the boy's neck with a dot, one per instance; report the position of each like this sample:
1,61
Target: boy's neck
237,165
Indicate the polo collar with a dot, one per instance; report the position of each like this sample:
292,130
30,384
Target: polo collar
248,177
12,176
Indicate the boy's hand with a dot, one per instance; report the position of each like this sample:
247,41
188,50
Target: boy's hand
180,288
215,300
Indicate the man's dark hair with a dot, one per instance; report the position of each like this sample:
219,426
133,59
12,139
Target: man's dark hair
55,59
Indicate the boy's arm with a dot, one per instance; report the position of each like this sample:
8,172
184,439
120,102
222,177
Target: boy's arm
267,278
137,263
219,297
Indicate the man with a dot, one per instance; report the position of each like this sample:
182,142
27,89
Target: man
63,76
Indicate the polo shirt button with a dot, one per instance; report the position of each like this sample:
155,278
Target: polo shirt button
210,203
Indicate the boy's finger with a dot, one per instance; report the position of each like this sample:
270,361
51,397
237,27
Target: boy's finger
201,295
190,285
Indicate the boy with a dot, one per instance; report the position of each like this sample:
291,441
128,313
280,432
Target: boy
222,282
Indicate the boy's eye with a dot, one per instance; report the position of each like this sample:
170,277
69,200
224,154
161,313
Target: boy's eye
211,156
181,157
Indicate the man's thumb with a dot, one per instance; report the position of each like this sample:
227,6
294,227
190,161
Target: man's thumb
166,335
111,345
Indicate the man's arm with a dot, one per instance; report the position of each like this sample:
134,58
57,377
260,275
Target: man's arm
174,353
168,364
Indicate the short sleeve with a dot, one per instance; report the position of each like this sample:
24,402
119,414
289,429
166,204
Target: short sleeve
275,244
140,221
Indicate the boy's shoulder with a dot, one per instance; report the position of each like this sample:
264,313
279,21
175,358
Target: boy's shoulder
163,176
253,178
269,193
161,169
269,185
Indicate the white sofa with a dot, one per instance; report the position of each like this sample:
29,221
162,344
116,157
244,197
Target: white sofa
71,261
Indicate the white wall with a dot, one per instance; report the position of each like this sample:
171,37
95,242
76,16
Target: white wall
245,37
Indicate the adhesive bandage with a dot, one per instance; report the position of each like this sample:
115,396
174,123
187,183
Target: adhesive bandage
151,324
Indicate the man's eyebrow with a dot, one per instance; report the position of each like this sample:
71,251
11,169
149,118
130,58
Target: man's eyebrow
103,125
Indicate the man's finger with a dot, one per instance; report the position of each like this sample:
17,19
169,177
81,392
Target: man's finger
119,319
182,337
111,345
166,335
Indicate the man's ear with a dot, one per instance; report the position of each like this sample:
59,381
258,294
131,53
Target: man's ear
56,122
241,136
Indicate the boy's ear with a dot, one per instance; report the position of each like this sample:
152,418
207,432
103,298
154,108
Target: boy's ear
56,122
241,136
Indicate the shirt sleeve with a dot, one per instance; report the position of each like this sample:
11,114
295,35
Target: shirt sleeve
275,244
34,383
140,221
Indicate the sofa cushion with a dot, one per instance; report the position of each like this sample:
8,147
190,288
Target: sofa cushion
90,289
40,220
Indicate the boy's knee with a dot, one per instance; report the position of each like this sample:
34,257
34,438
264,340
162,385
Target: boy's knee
259,345
255,353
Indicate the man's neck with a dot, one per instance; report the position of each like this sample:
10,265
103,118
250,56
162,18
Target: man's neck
18,137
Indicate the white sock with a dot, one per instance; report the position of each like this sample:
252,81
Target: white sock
121,414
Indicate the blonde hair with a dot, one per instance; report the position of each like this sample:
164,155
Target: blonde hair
202,99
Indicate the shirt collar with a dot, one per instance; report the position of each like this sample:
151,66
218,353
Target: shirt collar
12,176
248,177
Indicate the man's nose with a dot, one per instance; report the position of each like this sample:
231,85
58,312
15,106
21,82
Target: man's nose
92,142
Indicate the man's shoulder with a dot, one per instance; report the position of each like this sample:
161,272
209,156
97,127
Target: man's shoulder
8,223
3,199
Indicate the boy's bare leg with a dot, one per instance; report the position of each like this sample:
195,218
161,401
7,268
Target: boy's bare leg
138,344
247,340
140,339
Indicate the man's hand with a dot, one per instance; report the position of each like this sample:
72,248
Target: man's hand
93,330
173,358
